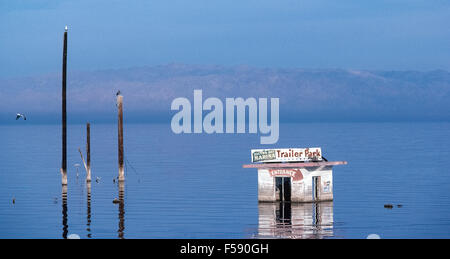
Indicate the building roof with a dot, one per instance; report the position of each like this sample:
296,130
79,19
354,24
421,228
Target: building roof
294,165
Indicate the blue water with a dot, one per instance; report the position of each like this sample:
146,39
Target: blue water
194,186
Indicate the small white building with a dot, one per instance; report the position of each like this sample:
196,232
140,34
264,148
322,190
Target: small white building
293,174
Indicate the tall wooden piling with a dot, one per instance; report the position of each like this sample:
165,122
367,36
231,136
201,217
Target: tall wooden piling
120,137
88,152
64,113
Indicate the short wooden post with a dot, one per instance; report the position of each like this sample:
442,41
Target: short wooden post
88,152
64,114
120,137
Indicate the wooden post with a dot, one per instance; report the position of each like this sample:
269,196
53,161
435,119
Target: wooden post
64,114
88,152
87,165
120,137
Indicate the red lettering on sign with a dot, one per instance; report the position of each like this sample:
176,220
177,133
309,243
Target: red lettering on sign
295,174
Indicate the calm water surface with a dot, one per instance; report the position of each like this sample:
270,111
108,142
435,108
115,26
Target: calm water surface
194,186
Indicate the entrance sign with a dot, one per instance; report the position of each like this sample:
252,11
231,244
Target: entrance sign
286,155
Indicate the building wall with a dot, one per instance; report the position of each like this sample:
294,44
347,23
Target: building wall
266,186
301,183
326,184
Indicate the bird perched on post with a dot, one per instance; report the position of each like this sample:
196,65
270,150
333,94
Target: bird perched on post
18,115
117,94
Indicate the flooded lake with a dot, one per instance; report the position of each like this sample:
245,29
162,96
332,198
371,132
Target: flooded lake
194,186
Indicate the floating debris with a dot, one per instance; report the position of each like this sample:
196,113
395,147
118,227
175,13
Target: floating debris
77,166
399,205
373,236
98,179
388,206
14,200
73,236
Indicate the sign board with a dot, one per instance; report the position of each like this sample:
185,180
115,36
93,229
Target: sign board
286,155
295,174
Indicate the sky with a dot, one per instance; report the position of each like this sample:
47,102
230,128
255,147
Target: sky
108,34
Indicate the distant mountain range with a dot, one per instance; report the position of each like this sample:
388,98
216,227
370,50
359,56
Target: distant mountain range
305,94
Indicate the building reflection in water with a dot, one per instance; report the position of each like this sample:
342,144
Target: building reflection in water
295,220
88,219
65,228
121,210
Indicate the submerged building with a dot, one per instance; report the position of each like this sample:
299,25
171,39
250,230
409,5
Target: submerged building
294,174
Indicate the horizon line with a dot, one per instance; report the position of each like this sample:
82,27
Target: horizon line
210,65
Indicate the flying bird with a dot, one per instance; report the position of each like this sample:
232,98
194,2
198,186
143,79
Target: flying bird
18,115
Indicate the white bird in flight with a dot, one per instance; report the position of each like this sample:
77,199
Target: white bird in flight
18,115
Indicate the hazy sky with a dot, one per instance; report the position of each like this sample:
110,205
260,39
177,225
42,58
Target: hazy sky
381,34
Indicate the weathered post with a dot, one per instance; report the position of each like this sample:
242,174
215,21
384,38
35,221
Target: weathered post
120,137
88,152
64,113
